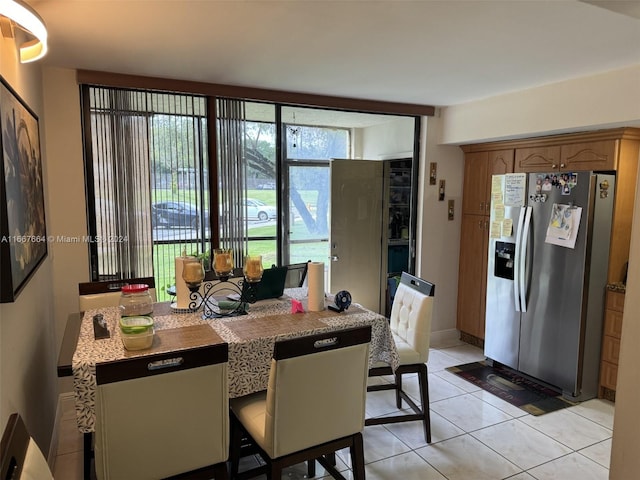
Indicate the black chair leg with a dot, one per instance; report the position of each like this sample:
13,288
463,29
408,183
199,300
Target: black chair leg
423,381
87,454
220,472
311,468
235,448
398,390
357,457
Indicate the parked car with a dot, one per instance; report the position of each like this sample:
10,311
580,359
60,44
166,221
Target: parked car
257,209
176,214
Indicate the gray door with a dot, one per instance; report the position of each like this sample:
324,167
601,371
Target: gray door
356,230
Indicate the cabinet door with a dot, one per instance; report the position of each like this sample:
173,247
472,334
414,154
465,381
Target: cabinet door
475,189
472,274
500,162
613,323
608,375
615,301
589,156
537,159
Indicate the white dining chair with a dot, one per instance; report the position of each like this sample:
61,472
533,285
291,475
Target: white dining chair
163,415
410,324
313,406
20,456
106,293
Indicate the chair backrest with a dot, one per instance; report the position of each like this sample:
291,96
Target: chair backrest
317,389
107,293
296,274
163,414
411,313
20,457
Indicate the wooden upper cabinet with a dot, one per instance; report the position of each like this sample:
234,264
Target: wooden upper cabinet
500,162
589,156
573,157
476,171
537,159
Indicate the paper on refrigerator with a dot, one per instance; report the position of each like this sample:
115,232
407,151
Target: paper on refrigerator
563,225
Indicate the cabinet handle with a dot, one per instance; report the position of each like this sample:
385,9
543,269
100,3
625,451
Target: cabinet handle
562,165
487,206
480,222
481,206
554,166
486,224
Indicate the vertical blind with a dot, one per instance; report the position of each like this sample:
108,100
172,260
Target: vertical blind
232,172
144,151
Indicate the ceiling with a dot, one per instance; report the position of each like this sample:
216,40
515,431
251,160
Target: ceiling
424,52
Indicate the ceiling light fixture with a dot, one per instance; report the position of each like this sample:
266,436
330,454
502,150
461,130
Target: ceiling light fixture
19,13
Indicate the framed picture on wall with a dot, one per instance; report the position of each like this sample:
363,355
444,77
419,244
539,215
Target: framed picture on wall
23,237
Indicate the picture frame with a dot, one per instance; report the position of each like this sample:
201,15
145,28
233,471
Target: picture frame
23,237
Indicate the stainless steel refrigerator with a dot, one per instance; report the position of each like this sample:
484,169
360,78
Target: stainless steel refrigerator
546,276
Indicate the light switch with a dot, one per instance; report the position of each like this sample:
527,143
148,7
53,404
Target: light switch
451,209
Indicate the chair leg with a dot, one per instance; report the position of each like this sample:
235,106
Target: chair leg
421,413
398,390
275,472
311,468
423,380
357,457
220,471
87,440
236,446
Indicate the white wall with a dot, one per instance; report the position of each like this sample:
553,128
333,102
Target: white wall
28,351
607,100
67,203
439,238
392,139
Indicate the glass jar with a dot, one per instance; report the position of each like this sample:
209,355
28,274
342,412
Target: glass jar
135,300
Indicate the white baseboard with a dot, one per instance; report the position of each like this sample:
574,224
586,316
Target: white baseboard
445,338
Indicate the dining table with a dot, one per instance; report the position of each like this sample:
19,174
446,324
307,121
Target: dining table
250,337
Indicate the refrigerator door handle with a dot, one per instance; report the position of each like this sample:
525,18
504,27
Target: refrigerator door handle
522,280
516,260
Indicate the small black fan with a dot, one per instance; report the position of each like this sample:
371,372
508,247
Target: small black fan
342,301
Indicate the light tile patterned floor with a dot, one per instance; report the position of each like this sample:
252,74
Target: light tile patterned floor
475,436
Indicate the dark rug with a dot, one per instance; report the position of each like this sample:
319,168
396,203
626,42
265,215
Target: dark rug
511,387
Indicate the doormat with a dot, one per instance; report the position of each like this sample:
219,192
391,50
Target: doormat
506,384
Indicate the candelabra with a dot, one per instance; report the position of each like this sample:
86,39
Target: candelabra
223,297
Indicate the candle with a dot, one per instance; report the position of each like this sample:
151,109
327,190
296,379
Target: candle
253,268
222,261
193,272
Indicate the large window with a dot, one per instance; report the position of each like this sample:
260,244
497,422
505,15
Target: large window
147,182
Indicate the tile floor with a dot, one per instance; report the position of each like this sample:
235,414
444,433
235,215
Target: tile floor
475,436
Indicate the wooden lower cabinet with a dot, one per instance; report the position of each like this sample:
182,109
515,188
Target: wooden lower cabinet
472,274
614,304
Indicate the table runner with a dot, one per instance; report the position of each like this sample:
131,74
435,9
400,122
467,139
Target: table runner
249,353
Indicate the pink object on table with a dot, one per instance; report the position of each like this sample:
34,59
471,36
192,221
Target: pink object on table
296,306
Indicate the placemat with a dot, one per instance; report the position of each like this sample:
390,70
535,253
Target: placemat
273,325
179,338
